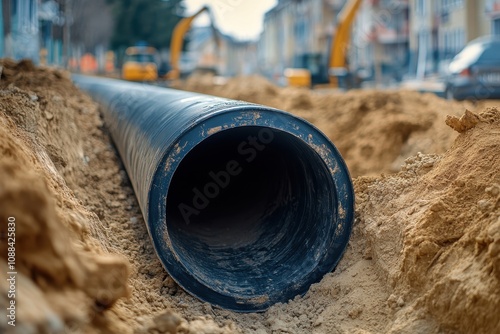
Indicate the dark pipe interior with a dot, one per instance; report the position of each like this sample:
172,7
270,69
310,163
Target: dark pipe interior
264,227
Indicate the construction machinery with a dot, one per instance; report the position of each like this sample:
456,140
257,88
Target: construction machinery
177,41
310,71
140,61
337,63
140,64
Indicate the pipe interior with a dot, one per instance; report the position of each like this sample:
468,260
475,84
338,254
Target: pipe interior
263,218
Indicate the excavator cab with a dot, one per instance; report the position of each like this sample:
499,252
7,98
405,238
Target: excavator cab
309,70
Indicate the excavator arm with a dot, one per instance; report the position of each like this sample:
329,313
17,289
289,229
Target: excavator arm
340,43
180,31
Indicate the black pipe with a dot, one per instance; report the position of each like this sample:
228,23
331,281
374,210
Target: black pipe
246,205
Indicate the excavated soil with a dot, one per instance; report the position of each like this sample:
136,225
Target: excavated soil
374,130
424,256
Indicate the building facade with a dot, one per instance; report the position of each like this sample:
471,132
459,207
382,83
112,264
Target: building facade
493,15
20,29
297,33
380,39
55,31
390,39
227,55
440,29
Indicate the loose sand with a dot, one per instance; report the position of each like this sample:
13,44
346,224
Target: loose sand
424,256
374,130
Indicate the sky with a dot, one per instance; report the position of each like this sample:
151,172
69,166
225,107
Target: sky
239,18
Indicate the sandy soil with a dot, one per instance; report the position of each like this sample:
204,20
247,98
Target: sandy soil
424,256
374,130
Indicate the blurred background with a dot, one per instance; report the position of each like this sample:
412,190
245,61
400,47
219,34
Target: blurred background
363,43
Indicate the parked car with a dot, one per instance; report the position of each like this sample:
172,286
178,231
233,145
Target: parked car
474,73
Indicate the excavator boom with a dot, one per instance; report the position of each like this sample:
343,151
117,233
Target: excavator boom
302,77
180,31
341,40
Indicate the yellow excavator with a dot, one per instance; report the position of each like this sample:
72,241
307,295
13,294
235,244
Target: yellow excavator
139,63
337,67
176,43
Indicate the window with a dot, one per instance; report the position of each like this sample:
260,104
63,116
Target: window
462,39
420,7
490,53
141,58
32,10
495,27
458,4
445,4
449,5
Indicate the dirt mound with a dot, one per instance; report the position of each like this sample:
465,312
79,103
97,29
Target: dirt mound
58,259
250,88
374,131
78,228
434,231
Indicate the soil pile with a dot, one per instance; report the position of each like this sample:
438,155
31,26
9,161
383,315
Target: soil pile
375,131
79,233
434,232
59,255
424,256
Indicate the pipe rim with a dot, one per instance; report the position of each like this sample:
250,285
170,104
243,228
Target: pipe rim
235,117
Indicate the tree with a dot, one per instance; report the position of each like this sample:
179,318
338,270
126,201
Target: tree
151,21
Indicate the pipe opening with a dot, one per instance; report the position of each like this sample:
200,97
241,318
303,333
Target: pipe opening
249,211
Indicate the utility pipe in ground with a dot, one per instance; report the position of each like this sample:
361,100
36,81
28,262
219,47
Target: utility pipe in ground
246,205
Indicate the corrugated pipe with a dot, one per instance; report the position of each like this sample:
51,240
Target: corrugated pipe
246,205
